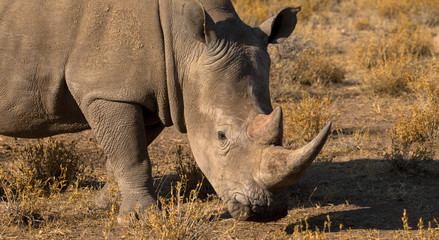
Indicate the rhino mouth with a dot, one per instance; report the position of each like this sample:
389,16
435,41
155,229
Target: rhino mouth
258,208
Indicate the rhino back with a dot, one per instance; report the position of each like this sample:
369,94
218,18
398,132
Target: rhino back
55,55
119,55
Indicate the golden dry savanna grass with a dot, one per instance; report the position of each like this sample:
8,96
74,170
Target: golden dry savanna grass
370,66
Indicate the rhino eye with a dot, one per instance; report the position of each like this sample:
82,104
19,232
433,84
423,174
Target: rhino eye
221,136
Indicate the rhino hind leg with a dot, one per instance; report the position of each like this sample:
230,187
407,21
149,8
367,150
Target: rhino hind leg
119,128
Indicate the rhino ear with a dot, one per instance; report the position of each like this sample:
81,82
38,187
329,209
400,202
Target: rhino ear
279,27
198,23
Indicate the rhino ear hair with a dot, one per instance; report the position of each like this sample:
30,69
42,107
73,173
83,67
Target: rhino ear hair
198,23
279,27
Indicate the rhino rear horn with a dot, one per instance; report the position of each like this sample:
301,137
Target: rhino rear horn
267,129
281,168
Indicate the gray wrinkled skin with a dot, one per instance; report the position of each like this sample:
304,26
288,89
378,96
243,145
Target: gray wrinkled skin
127,69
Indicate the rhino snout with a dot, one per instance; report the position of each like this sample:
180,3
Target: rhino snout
239,211
265,208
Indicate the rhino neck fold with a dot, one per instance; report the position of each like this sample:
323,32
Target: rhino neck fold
172,105
179,52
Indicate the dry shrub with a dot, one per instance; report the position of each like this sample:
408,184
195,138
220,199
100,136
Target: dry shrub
313,68
413,135
308,67
404,162
419,124
179,217
305,119
421,11
312,7
25,198
296,61
50,158
397,59
254,12
407,40
362,24
38,173
393,78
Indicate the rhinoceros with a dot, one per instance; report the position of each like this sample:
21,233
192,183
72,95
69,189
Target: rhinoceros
128,69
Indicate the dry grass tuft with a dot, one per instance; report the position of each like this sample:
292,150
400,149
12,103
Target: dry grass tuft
362,24
419,124
37,175
406,40
306,118
49,159
179,217
297,62
397,58
254,12
309,68
404,162
420,11
26,201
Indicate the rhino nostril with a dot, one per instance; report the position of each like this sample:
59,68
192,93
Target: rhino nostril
240,211
245,212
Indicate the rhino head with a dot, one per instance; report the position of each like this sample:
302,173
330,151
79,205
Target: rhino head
235,134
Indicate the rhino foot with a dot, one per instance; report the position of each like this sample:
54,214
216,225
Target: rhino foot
134,205
102,199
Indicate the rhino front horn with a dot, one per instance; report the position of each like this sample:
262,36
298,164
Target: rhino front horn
281,168
267,129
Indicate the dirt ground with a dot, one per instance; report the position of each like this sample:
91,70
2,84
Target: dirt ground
353,190
355,186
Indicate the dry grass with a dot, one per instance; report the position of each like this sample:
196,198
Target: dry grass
362,24
366,48
37,175
299,63
421,11
418,124
50,159
179,217
306,117
397,58
306,68
254,12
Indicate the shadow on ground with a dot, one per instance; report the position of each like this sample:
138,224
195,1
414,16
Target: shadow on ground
367,193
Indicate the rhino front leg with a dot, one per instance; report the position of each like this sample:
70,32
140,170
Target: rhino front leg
119,128
102,199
